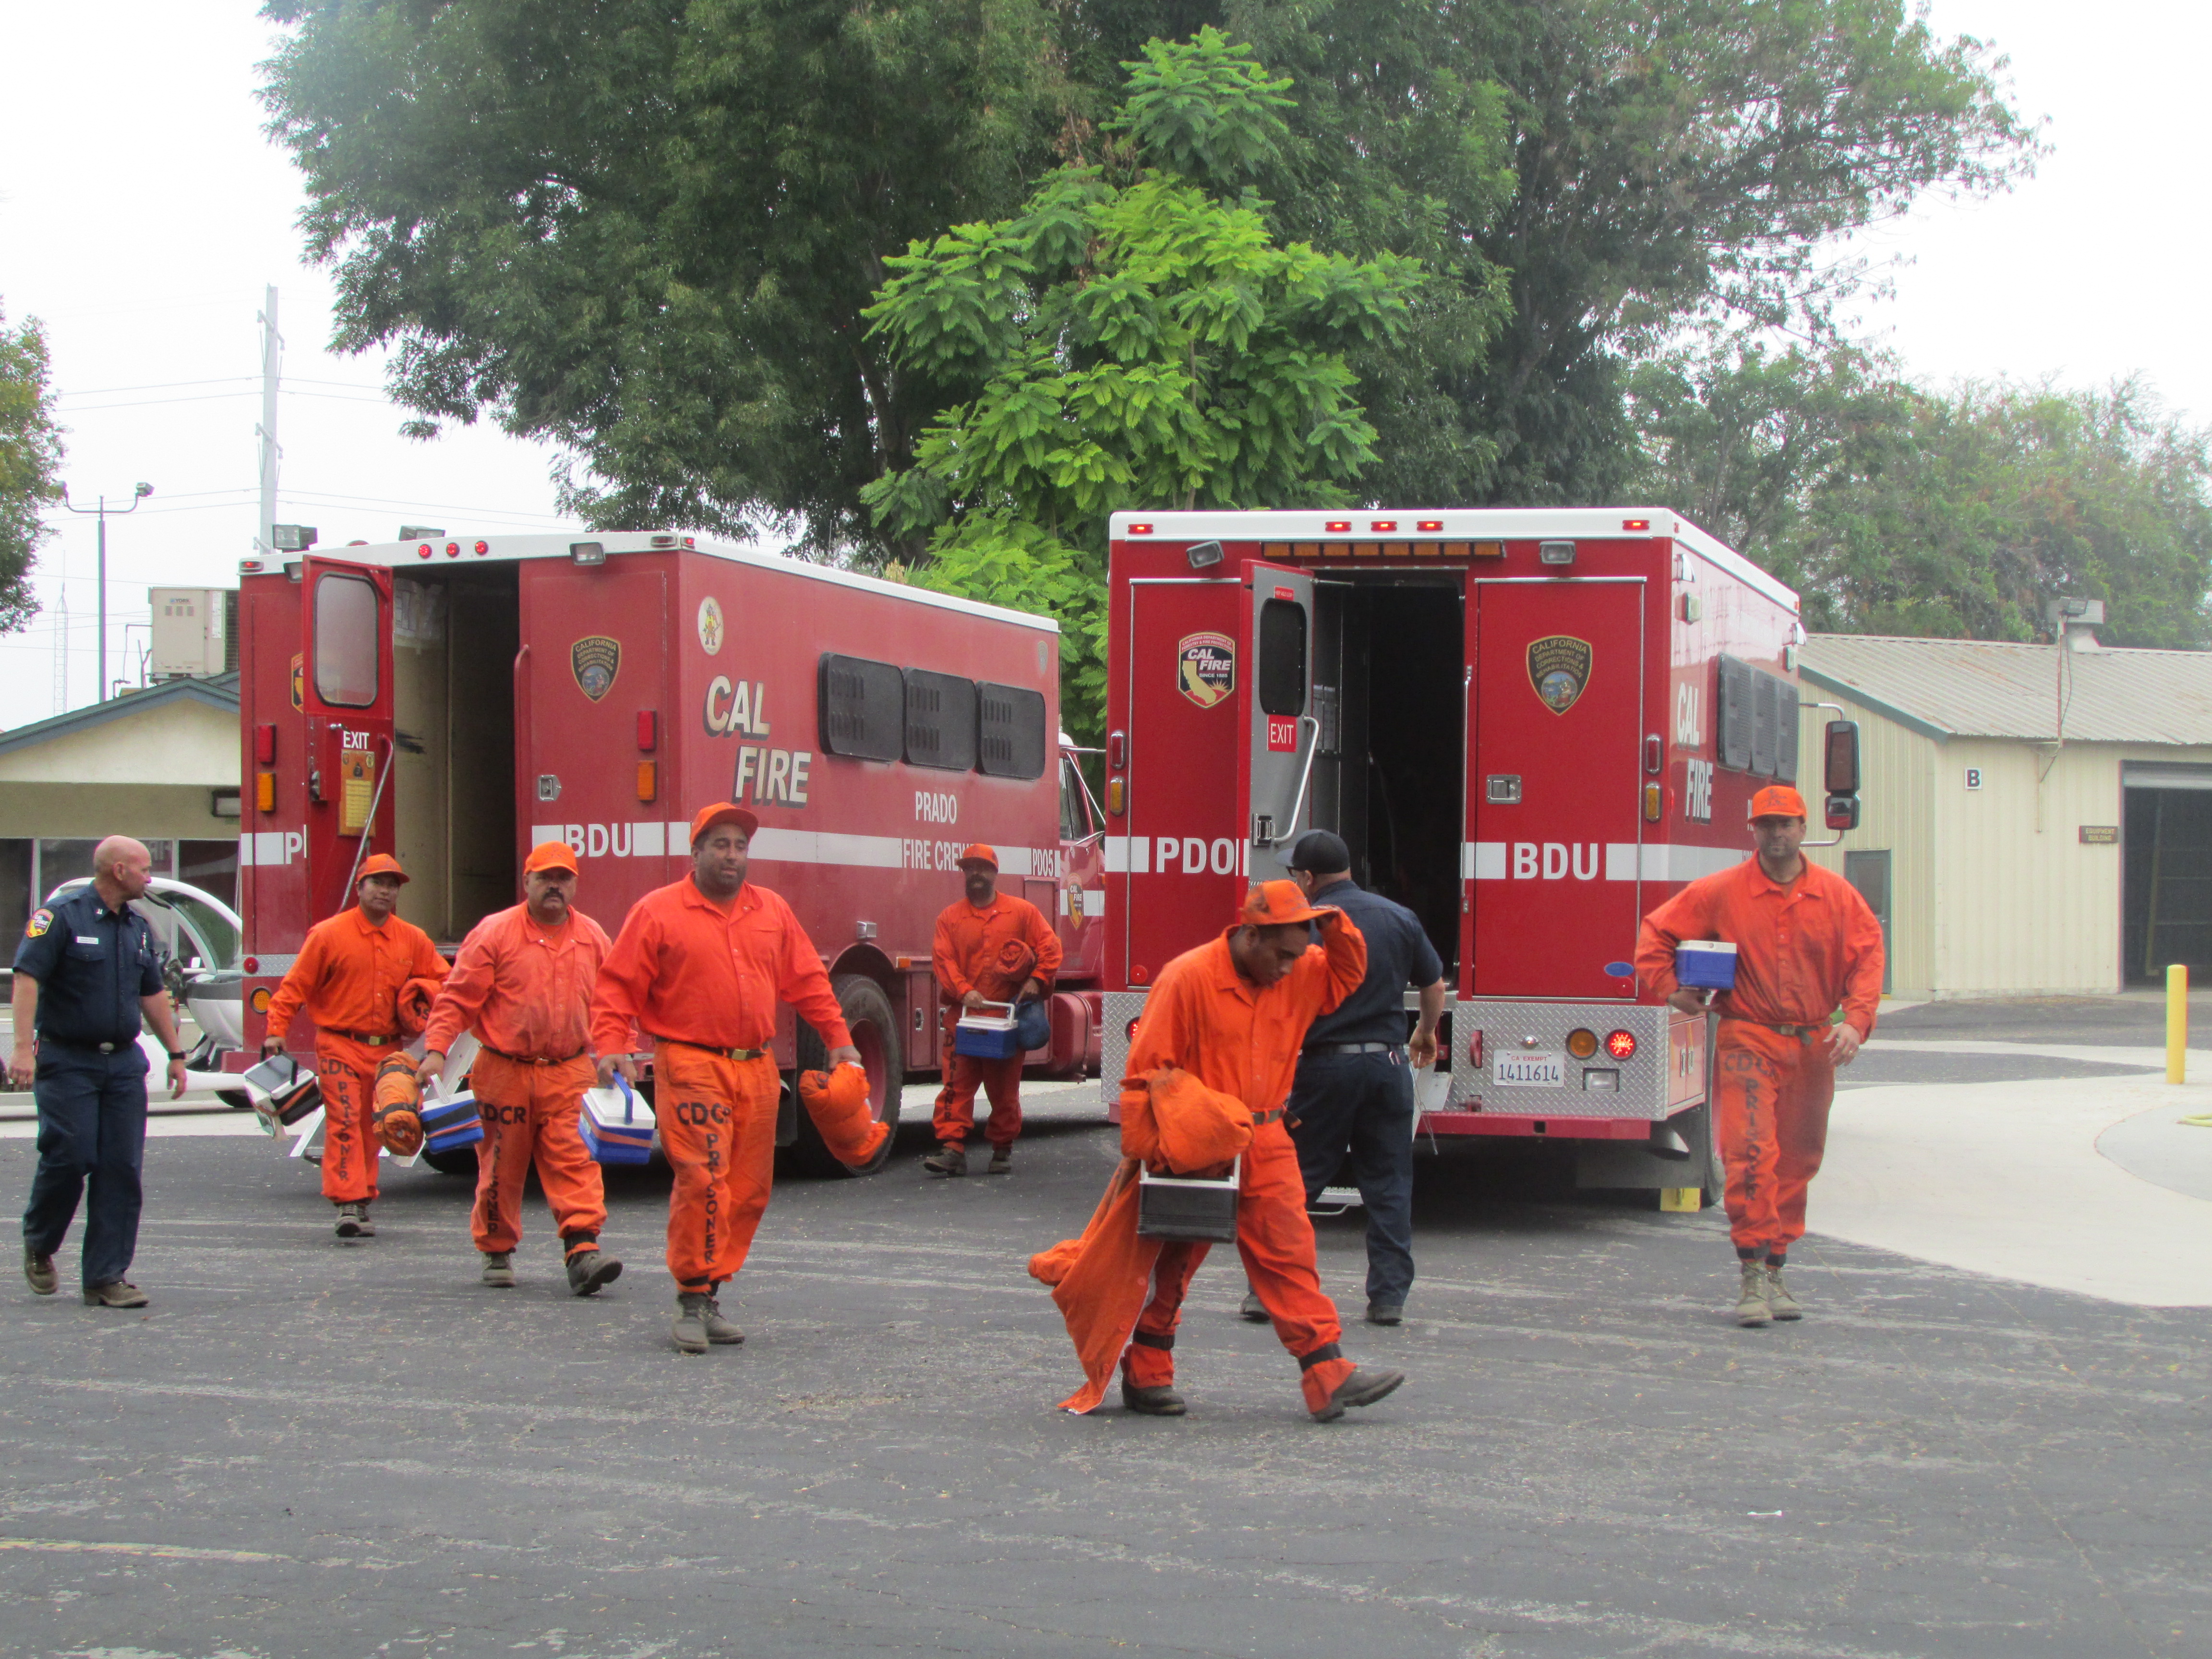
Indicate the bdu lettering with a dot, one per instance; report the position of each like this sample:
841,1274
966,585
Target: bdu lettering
1555,861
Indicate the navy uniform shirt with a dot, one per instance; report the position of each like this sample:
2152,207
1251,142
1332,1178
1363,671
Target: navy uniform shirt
1399,954
92,964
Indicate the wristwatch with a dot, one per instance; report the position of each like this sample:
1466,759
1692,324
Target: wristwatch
178,1054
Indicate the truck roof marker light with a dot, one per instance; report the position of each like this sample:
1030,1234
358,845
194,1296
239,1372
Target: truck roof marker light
690,541
1428,523
1621,1045
452,549
662,541
1338,526
1635,524
423,551
483,548
1140,530
1383,523
249,565
589,552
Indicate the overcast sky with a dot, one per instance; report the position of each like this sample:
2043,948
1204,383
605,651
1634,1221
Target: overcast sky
143,214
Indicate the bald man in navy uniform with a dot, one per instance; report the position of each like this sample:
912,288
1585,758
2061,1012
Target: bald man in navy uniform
86,973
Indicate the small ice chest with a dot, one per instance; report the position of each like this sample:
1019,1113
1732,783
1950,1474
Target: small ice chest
1704,965
1002,1036
617,1126
449,1125
1188,1206
290,1087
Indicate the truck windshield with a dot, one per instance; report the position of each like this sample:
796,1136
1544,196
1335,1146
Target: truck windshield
345,640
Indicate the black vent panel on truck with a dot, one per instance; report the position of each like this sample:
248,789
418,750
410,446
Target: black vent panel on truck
1756,721
863,708
1012,732
940,721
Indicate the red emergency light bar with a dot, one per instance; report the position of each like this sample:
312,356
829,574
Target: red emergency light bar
1383,523
1635,524
1428,523
1338,524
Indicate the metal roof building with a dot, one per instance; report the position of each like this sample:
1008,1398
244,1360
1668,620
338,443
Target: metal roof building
2038,818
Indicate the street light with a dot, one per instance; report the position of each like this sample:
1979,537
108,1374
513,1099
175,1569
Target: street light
138,494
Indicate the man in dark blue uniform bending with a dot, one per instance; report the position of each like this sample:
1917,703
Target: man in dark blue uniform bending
1353,1099
85,972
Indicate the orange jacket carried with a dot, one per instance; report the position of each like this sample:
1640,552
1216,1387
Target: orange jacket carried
687,971
994,949
524,990
1801,952
349,973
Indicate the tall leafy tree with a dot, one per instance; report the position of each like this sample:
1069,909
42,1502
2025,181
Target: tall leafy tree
1894,510
30,465
644,229
1134,337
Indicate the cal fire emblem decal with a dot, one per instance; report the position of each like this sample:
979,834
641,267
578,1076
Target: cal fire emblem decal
1559,667
1206,667
299,680
595,660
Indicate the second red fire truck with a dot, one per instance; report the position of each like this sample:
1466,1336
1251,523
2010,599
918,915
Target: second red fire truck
1530,726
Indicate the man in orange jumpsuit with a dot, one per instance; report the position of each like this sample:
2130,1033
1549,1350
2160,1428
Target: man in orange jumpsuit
522,983
347,978
699,966
991,947
1805,943
1233,1014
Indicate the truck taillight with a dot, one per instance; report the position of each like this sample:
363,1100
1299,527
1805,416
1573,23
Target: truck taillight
1474,1051
265,745
1130,1035
648,729
1581,1042
1621,1045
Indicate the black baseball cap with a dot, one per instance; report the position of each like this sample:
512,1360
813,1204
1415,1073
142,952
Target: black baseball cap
1319,852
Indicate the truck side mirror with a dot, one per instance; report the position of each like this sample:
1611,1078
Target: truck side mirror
1843,812
1841,772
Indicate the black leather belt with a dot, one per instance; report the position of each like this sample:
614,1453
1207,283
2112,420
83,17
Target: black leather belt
1352,1048
86,1048
521,1060
1802,1033
374,1040
709,1048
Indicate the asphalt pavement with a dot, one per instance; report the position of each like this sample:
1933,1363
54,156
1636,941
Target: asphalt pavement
307,1447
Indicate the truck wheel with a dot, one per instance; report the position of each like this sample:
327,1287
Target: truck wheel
875,1030
462,1161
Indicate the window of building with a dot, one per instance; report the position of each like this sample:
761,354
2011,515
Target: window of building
14,888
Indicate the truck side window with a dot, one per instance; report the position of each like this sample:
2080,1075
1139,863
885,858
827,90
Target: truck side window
863,708
1283,657
1074,815
345,640
940,721
1012,732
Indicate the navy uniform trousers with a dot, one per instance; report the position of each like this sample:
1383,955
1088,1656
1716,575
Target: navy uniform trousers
1359,1109
92,1145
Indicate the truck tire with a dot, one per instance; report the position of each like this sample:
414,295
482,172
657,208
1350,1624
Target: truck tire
461,1161
868,1015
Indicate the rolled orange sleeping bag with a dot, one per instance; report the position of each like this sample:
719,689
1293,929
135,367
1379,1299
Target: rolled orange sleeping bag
837,1100
413,1010
398,1120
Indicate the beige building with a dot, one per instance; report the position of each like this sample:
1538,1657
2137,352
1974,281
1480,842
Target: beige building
2036,819
160,764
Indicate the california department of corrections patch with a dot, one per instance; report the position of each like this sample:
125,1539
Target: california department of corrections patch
41,921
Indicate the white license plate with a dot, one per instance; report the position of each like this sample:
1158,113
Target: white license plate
1529,1071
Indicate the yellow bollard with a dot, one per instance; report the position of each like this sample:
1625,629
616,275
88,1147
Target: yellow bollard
2176,1021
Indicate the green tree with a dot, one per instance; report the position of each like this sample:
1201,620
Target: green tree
30,462
1893,510
1133,337
644,229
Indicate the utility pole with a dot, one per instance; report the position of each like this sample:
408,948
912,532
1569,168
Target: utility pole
61,652
138,494
272,365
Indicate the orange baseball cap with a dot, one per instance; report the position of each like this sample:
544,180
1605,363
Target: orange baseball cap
727,811
1776,800
978,853
551,856
1276,904
378,864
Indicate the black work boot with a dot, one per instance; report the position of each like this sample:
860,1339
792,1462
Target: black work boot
1252,1307
1362,1388
40,1271
719,1330
1002,1161
116,1293
948,1159
589,1270
690,1331
499,1270
354,1223
1159,1401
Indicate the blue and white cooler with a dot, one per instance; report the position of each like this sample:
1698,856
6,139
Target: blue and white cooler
617,1126
1703,965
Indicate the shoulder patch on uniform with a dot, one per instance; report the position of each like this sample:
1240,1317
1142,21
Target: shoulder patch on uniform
41,921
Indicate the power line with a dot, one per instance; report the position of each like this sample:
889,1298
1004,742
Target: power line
220,379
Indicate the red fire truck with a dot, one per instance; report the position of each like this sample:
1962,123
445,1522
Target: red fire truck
456,701
1530,726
